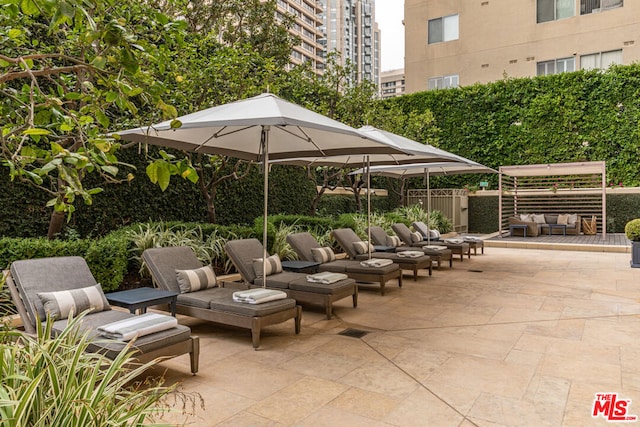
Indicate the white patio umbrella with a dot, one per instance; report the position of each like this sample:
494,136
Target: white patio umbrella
426,170
259,129
414,152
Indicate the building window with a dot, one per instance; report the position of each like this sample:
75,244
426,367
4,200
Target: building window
551,10
556,66
443,29
443,82
593,6
601,60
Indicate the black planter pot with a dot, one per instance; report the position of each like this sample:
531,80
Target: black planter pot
635,254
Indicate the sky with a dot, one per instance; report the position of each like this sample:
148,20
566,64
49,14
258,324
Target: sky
389,15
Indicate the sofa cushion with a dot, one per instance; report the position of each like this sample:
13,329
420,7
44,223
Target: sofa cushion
571,219
540,219
563,218
525,217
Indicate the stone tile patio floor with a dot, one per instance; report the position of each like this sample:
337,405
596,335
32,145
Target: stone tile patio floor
514,337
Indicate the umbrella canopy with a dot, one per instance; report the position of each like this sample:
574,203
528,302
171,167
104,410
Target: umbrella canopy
412,152
421,169
236,129
258,129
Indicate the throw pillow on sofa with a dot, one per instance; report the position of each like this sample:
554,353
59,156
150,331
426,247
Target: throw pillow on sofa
572,219
562,219
538,218
525,217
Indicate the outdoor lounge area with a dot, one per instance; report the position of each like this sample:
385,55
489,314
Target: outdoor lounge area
499,341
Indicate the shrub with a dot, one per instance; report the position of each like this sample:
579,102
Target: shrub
632,230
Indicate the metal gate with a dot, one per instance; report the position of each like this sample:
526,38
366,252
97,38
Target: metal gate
452,202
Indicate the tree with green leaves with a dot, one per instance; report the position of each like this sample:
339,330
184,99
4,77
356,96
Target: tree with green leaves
69,71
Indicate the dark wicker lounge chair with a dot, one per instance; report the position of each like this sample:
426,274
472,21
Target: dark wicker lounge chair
216,304
380,237
404,233
29,280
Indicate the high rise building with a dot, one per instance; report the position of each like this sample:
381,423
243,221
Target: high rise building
392,83
352,31
460,42
309,28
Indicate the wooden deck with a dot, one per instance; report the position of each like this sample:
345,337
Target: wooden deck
613,242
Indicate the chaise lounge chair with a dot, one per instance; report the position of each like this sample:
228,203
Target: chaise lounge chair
475,243
348,240
39,287
243,252
459,247
215,304
304,244
437,253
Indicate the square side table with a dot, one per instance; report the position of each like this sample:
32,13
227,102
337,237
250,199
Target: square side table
141,298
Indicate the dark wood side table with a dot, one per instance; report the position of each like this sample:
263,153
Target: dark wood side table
297,266
141,298
522,227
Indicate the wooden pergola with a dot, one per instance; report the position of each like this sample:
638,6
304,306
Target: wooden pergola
554,188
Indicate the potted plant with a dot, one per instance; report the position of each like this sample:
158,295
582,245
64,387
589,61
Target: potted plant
632,231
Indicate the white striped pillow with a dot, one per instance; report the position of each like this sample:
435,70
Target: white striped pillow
323,255
62,304
362,247
196,279
394,241
273,266
416,237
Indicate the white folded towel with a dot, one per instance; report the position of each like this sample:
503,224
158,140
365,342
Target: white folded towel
258,295
137,326
435,247
326,277
454,241
471,239
410,254
376,262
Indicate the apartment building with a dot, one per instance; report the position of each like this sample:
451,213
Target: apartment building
309,27
351,30
450,43
391,83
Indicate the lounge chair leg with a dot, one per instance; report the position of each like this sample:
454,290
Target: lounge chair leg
355,296
382,283
328,308
451,262
400,279
415,274
195,354
430,269
298,319
255,332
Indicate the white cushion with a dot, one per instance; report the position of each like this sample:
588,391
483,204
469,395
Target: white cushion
273,265
362,247
196,280
62,304
562,219
434,234
525,217
394,241
323,255
539,219
572,219
416,237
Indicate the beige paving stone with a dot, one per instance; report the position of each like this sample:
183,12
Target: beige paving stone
329,416
298,400
422,408
381,378
607,375
365,403
322,365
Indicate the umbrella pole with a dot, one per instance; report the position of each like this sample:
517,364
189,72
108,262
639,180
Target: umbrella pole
369,206
265,163
428,209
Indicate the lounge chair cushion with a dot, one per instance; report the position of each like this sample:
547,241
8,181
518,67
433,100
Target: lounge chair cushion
62,304
196,279
280,280
323,255
363,247
221,299
319,288
273,266
166,261
421,228
111,348
416,237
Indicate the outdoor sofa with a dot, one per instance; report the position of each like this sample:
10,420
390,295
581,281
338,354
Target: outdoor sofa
50,286
349,242
538,224
216,303
308,249
244,253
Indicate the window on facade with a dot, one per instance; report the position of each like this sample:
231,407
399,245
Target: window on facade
443,29
443,82
593,6
600,60
551,10
556,66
